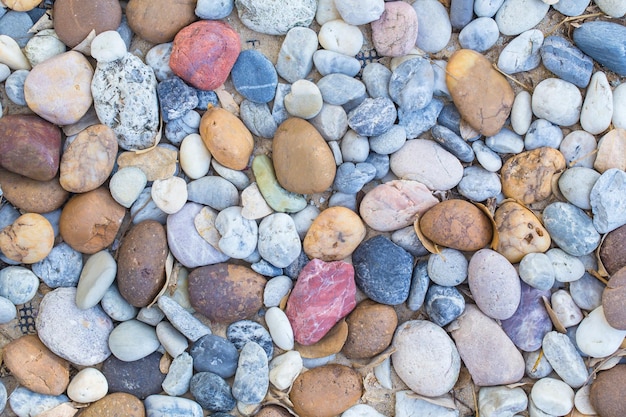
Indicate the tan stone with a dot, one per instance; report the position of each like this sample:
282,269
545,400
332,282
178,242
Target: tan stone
527,176
613,300
90,221
35,367
75,19
370,329
330,344
519,232
612,250
303,161
607,392
611,151
89,159
158,21
28,239
21,5
273,411
334,234
227,138
30,195
481,94
116,405
158,163
326,391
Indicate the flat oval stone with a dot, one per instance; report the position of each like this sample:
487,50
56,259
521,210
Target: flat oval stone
164,405
518,183
133,340
566,110
552,396
241,332
423,345
29,239
447,268
521,113
87,386
611,251
116,306
251,380
566,61
351,178
338,36
570,228
254,76
340,385
565,308
603,41
204,52
83,340
565,359
334,234
214,354
213,191
530,322
468,72
419,121
474,334
517,16
609,153
603,390
303,162
370,329
536,270
195,158
226,293
226,137
329,62
478,184
339,89
304,100
158,163
18,284
596,337
279,242
140,378
487,158
479,34
412,84
96,277
434,27
295,58
542,133
398,21
453,143
376,255
597,110
211,392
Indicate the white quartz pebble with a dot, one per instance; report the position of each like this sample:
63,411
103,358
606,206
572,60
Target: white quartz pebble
597,110
582,401
170,195
87,386
341,37
553,396
619,106
304,100
595,336
133,340
108,46
521,113
238,234
280,328
195,158
567,268
565,308
276,289
361,410
11,55
127,184
95,279
284,369
557,101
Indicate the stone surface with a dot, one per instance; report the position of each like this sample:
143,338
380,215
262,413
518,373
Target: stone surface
611,251
252,377
443,304
611,296
341,37
272,18
565,359
334,234
434,27
146,19
295,59
28,239
115,403
214,354
226,138
570,228
602,41
31,195
25,402
528,325
566,61
75,19
604,389
211,392
425,346
516,237
370,330
563,112
18,284
412,84
254,76
373,117
87,386
395,32
157,164
140,378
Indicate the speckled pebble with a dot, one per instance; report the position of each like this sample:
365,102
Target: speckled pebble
443,304
448,268
373,117
18,284
176,383
175,98
182,320
419,121
608,202
376,77
61,268
542,133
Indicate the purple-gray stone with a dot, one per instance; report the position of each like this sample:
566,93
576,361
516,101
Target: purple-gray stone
214,354
571,228
373,117
140,378
530,322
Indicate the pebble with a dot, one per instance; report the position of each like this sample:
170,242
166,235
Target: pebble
388,142
609,153
133,340
501,401
206,9
341,37
176,130
238,178
415,342
334,234
576,184
381,164
419,121
339,89
565,309
480,34
61,268
602,41
517,16
71,339
296,55
595,337
566,61
478,184
278,240
174,342
542,133
275,290
487,158
566,110
18,284
150,315
447,268
254,76
241,332
284,368
597,109
26,403
258,119
108,46
7,310
164,405
12,55
278,198
373,117
453,143
450,118
87,386
354,146
331,122
331,62
567,268
443,304
521,113
170,195
116,306
390,287
565,359
578,148
182,320
304,100
213,191
158,58
419,286
175,98
370,329
412,84
351,178
537,366
254,206
14,87
586,292
157,163
376,78
607,204
361,410
531,314
3,397
603,392
116,402
552,396
505,141
140,378
280,328
238,235
269,18
570,228
127,184
434,27
536,270
619,104
96,277
251,380
474,334
461,13
407,404
212,392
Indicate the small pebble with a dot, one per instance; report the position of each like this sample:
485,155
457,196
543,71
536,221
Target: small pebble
358,12
453,143
567,268
376,77
178,129
7,310
388,142
339,36
501,401
351,178
284,368
595,337
373,117
254,205
210,10
480,34
331,122
251,380
597,110
295,58
530,322
16,25
407,404
517,16
434,27
443,304
339,89
170,195
571,7
127,184
276,196
354,147
95,279
479,184
26,403
461,13
571,228
238,234
258,118
566,61
412,84
505,141
304,100
279,328
182,320
116,306
542,133
516,56
61,268
214,354
164,405
537,366
552,396
150,315
448,268
195,158
5,71
565,360
361,410
536,270
241,332
578,148
18,284
565,309
108,46
564,111
419,286
487,158
619,106
607,200
133,340
586,292
576,184
450,118
176,383
331,62
175,98
87,386
14,87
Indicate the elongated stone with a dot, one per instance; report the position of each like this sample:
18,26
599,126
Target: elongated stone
530,322
276,196
565,359
166,406
252,377
182,320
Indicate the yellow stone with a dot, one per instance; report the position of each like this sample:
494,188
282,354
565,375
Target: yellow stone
158,163
334,234
28,240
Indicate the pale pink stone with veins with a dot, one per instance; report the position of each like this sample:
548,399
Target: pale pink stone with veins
395,32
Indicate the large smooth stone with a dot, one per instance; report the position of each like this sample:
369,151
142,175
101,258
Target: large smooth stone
30,195
133,340
517,16
371,327
481,94
226,137
115,404
76,19
425,359
605,394
562,111
303,162
159,21
487,352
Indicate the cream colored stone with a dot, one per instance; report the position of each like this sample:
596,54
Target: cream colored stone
170,195
11,54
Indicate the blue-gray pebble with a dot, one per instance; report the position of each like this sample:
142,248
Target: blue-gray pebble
241,332
140,378
206,97
373,117
343,200
25,402
376,77
7,310
258,119
176,130
331,62
570,228
14,87
61,268
565,359
380,163
166,406
480,34
453,143
175,98
340,89
461,13
16,25
213,191
383,270
412,84
542,133
478,184
214,10
417,122
254,76
450,118
571,7
351,178
566,61
211,392
252,378
605,42
390,141
214,354
419,286
266,269
444,304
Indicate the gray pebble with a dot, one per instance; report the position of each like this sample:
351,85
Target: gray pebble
331,122
150,315
16,25
166,406
174,342
380,163
278,240
487,8
179,375
214,10
335,148
133,340
61,268
566,61
453,143
501,401
570,228
608,200
212,392
26,403
478,184
517,16
571,7
279,113
343,200
486,157
206,97
417,122
576,184
18,284
543,133
340,89
412,84
557,101
565,359
252,377
419,286
461,13
265,268
7,312
5,71
238,178
215,354
450,118
182,320
14,87
3,394
241,332
176,130
331,62
536,364
144,208
565,308
376,77
374,116
505,141
536,270
388,142
578,148
258,119
443,304
480,34
238,235
276,289
434,27
116,306
354,147
158,58
522,53
521,112
408,240
213,191
448,268
295,58
586,292
440,87
351,178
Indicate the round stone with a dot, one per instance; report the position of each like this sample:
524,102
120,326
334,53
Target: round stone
159,21
596,337
604,392
552,396
370,329
398,21
28,239
334,234
516,236
87,386
566,110
118,402
76,19
447,268
339,36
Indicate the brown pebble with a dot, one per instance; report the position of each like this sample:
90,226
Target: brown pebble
74,19
519,232
326,391
30,195
607,392
90,221
613,250
334,234
141,263
118,404
328,345
227,138
158,21
611,151
371,327
28,239
35,367
273,411
613,298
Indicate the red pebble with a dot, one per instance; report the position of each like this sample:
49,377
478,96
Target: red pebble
324,293
204,52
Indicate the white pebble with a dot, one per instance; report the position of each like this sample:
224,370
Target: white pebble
279,327
5,71
341,37
521,113
619,106
254,205
127,184
170,195
557,101
284,369
567,268
276,289
579,149
553,396
304,219
45,44
133,340
597,110
576,183
108,46
95,279
238,234
278,240
382,372
326,11
565,308
487,158
304,100
12,56
595,336
536,270
195,158
360,12
582,401
87,386
362,410
354,148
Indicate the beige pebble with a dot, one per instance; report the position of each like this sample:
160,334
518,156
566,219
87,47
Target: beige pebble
611,151
158,163
205,226
170,195
87,386
11,54
304,100
254,205
28,239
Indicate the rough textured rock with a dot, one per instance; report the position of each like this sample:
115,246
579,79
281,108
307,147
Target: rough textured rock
115,404
519,231
606,392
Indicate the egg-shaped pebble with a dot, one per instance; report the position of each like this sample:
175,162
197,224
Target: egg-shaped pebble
18,284
126,185
557,101
96,277
448,268
480,34
576,184
133,340
579,149
567,268
479,184
552,396
597,110
283,369
108,46
434,27
116,306
295,58
195,158
339,36
565,308
536,270
170,195
279,328
278,240
87,386
29,239
595,337
304,100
